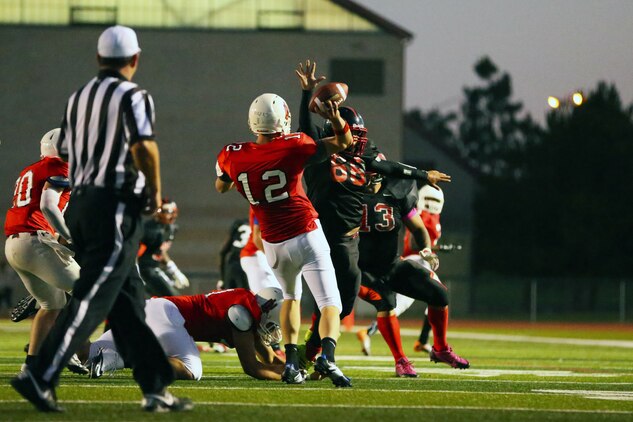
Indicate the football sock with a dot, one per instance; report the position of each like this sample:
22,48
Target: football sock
438,318
292,355
426,329
328,344
389,327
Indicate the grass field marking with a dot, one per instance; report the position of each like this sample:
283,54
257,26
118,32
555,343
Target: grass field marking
529,339
593,394
282,387
487,373
359,406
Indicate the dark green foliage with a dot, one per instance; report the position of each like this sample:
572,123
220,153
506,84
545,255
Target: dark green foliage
553,201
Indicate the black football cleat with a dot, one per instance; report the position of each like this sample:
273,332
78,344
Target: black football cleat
26,307
36,392
330,370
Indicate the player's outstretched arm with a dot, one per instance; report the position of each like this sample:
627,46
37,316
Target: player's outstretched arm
405,171
245,346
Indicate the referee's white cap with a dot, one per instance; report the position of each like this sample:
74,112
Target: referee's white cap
118,41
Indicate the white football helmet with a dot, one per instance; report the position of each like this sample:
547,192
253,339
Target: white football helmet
48,144
269,114
430,199
269,300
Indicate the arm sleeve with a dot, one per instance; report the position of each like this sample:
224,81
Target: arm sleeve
219,167
320,155
305,117
410,201
49,205
139,116
62,142
396,169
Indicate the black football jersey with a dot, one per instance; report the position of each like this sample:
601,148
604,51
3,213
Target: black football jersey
336,187
240,231
383,215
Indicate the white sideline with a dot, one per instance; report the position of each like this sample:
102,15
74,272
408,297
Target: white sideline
627,344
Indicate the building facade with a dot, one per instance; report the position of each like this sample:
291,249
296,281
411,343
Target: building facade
203,62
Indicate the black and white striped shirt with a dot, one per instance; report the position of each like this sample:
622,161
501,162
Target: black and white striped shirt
103,119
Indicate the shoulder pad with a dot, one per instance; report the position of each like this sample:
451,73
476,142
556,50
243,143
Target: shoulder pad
240,318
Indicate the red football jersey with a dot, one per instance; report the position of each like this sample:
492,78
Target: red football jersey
206,315
433,226
269,177
250,248
25,214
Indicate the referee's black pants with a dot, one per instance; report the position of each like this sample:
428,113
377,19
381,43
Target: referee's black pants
106,229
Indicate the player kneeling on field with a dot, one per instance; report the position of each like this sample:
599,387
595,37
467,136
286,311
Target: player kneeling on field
236,317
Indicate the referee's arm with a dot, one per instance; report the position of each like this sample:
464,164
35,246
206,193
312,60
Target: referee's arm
147,159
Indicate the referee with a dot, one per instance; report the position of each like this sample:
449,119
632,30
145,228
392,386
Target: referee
108,138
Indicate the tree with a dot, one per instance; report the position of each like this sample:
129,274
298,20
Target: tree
492,132
569,213
554,201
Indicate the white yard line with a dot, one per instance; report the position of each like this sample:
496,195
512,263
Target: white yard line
627,344
592,394
357,406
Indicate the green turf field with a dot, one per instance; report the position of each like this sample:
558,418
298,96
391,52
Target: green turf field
518,373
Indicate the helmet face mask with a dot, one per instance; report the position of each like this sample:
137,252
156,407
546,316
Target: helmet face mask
269,114
48,143
168,212
269,300
357,127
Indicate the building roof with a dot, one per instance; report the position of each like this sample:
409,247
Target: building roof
450,151
374,18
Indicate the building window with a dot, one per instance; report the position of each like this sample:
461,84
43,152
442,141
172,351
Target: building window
93,15
364,76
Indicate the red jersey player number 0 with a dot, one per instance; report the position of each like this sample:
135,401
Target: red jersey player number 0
23,186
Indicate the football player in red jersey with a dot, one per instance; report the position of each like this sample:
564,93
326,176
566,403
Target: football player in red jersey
235,317
268,174
36,231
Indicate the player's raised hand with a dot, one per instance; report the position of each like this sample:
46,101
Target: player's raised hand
434,177
306,72
330,112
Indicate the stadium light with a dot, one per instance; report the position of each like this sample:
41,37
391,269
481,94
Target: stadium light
577,98
553,102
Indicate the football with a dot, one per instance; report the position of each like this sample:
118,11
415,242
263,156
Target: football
333,91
